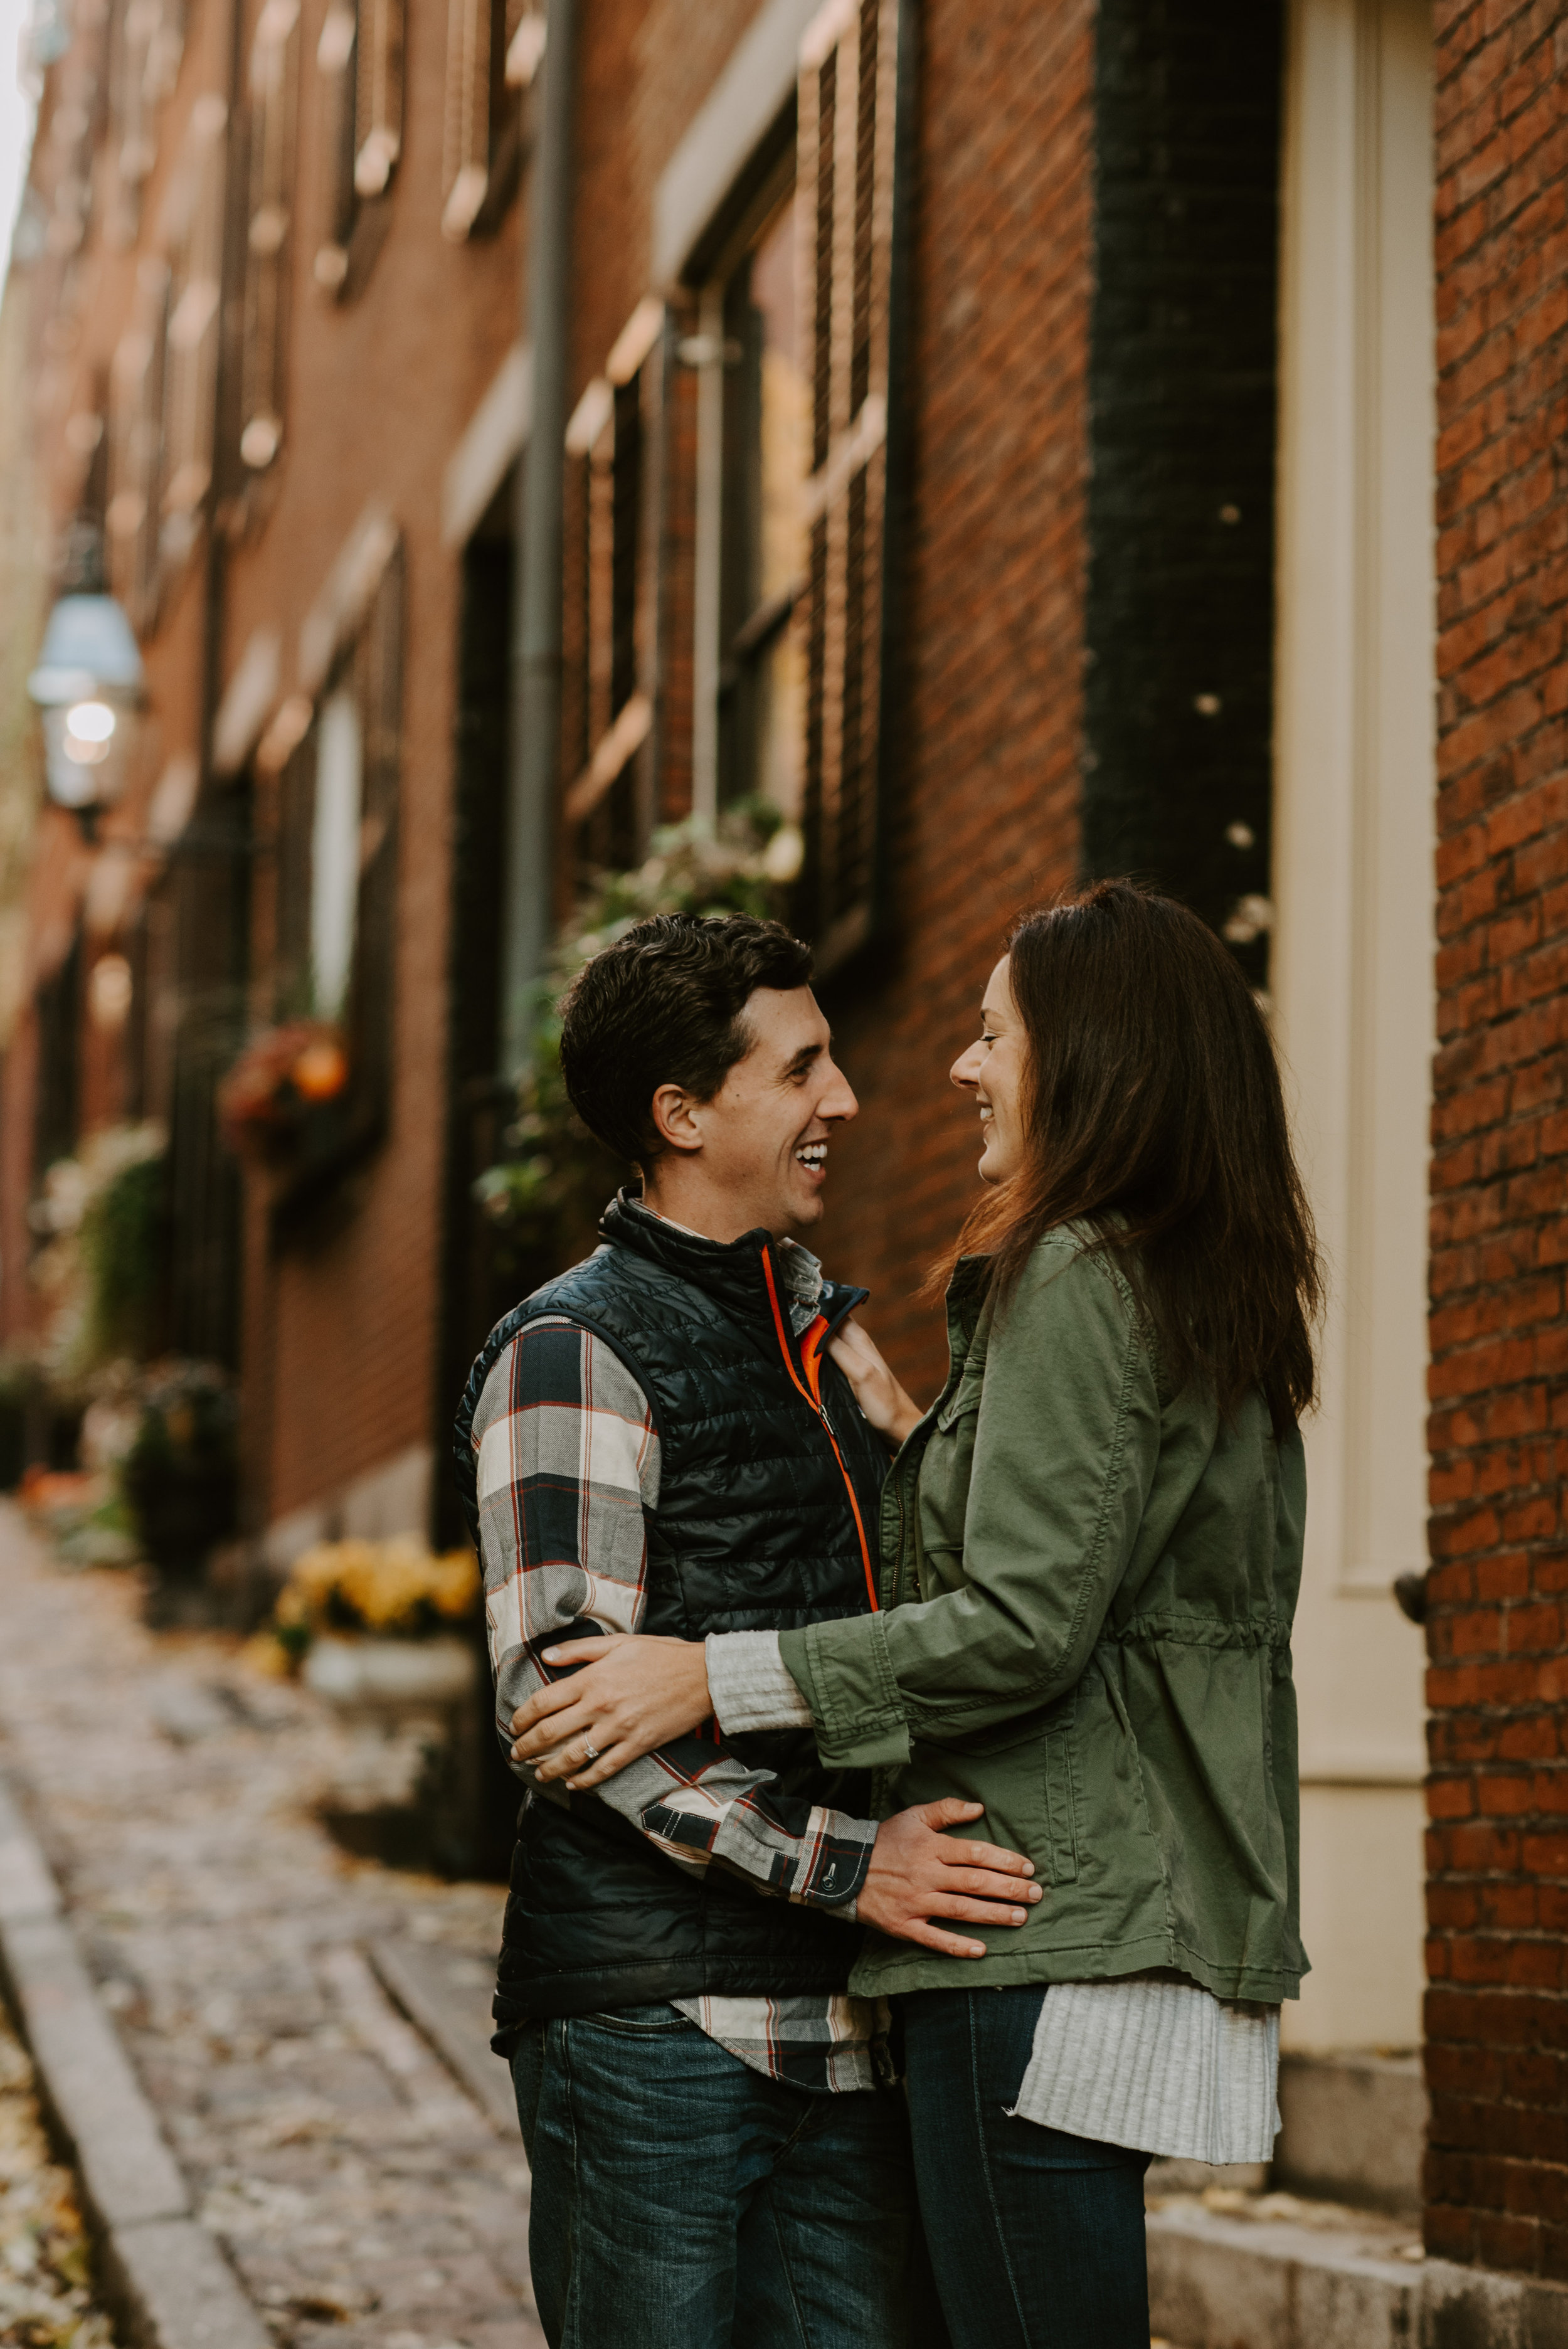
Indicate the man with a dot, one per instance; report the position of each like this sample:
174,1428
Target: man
656,1442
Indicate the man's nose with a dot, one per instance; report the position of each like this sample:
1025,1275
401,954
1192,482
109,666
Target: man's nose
839,1102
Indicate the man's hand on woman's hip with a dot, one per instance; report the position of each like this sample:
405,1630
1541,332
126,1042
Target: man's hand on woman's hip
620,1697
917,1875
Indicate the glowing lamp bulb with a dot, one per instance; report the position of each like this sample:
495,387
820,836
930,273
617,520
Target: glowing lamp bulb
89,729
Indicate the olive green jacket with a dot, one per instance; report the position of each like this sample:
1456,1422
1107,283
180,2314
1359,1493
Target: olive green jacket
1088,1589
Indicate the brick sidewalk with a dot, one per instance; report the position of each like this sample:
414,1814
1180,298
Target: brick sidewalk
366,2200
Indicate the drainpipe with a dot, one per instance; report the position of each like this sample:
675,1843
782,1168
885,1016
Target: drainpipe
536,638
231,274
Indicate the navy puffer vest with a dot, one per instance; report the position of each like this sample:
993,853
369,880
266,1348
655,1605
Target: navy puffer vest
755,1530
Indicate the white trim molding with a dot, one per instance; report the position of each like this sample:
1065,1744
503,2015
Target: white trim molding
248,699
346,595
1352,969
746,101
495,438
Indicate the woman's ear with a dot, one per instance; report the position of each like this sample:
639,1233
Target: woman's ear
675,1121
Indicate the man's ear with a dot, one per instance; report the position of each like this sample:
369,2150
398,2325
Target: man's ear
675,1121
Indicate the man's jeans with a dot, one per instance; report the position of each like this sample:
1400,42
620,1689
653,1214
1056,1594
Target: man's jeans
1036,2237
681,2200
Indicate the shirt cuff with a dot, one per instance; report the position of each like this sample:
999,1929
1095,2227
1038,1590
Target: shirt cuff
846,1672
749,1684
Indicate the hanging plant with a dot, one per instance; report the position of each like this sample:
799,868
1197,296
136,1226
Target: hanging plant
545,1197
279,1082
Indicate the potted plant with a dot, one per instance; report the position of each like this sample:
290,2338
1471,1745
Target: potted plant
179,1474
378,1627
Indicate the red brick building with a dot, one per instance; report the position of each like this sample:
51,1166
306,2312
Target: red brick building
1003,438
1497,2014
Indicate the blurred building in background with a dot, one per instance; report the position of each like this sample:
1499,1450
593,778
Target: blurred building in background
942,451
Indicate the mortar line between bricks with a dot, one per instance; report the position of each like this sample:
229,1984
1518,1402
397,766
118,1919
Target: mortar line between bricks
162,2275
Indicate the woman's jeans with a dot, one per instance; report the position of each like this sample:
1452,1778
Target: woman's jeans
1036,2238
681,2200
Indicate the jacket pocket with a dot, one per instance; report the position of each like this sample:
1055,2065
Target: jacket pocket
635,2021
1061,1791
942,1496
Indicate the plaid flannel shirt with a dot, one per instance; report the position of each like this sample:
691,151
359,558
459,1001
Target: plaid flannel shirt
568,1463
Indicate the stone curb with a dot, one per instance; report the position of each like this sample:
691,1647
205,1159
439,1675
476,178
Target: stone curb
162,2274
1217,2282
465,2054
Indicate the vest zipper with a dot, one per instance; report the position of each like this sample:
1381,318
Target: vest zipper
811,1363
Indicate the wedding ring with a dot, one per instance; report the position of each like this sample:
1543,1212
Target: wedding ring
590,1750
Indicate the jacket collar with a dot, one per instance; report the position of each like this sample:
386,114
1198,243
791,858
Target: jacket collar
729,1271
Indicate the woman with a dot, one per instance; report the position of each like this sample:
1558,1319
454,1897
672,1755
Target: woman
1091,1554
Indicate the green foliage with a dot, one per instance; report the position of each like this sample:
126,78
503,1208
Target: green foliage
545,1199
101,1217
121,1248
546,1195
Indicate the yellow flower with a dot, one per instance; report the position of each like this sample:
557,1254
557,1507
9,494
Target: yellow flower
389,1586
455,1584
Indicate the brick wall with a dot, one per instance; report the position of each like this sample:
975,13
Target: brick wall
1497,2012
986,755
340,1325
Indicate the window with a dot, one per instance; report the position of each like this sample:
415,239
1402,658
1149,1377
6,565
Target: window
163,380
336,823
146,43
58,1013
608,716
359,60
335,835
794,355
274,97
493,49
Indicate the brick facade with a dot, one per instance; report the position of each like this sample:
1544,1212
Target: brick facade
1497,2013
340,1324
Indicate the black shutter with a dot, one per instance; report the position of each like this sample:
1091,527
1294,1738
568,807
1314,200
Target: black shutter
378,687
1179,621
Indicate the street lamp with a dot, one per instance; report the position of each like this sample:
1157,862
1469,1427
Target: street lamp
88,686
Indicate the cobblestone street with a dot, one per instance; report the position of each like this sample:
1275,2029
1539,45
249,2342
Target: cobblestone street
364,2196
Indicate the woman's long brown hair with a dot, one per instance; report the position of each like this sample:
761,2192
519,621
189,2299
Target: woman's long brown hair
1154,1115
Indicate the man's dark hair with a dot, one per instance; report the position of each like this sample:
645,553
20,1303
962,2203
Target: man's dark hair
663,1006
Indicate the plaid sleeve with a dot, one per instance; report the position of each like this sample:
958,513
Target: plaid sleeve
568,1461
